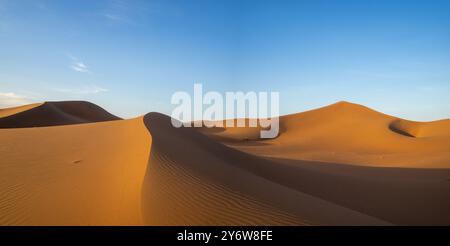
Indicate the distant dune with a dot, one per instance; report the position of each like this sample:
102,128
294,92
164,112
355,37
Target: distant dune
348,133
53,114
343,164
15,110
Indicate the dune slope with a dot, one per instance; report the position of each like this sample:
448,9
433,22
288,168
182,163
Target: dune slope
4,112
87,174
192,180
53,114
351,134
305,189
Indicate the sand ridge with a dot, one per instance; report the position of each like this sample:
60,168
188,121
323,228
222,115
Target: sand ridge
233,191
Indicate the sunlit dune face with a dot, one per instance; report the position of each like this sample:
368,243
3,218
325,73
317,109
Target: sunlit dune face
348,133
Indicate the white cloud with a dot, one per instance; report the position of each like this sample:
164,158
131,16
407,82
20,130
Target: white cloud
77,65
89,89
80,67
11,99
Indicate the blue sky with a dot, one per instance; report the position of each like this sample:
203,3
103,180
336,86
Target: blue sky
130,56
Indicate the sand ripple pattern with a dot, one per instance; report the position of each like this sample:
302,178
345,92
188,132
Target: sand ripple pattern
177,195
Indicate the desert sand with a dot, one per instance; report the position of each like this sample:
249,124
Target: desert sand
73,163
53,114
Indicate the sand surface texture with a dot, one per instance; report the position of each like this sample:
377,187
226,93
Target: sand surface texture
73,163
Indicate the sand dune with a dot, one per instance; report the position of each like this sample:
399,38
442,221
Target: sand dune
344,164
53,114
88,174
211,184
421,129
15,110
352,134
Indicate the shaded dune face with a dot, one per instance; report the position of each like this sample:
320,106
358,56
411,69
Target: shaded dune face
406,128
415,129
186,184
226,133
57,113
193,180
311,192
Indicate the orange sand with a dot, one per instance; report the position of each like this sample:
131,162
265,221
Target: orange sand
344,164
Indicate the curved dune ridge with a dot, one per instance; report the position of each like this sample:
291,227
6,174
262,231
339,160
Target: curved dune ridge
211,184
53,114
421,129
143,171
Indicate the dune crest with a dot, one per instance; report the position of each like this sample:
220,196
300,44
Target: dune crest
211,184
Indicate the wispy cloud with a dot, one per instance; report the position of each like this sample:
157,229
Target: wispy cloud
133,12
117,11
78,65
88,89
11,99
